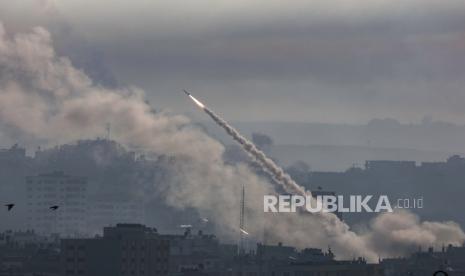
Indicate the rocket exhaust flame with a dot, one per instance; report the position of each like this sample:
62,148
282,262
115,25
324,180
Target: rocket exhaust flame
267,164
197,102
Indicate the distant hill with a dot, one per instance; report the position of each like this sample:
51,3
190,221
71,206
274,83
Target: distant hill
340,158
378,133
336,147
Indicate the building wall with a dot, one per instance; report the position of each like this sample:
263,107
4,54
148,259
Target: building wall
333,269
68,192
129,249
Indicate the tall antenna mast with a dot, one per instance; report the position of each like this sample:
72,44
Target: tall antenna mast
241,221
108,128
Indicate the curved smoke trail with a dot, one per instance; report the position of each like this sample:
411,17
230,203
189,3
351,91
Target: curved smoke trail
269,165
42,94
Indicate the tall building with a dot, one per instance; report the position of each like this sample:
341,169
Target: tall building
57,189
14,166
127,249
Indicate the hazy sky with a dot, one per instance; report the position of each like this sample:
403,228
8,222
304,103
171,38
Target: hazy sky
343,61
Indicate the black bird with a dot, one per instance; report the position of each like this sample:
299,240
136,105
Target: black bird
9,206
54,207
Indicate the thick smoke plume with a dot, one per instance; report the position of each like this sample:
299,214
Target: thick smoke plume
402,228
45,99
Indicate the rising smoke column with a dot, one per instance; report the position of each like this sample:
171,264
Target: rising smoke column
402,225
330,223
44,97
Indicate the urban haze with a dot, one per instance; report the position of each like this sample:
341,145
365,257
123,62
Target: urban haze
107,168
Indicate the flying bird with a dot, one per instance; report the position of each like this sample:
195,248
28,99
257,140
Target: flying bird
54,207
9,206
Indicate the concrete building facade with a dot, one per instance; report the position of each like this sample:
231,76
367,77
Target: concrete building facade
57,189
126,249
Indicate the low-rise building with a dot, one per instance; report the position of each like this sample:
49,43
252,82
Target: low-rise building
126,249
197,253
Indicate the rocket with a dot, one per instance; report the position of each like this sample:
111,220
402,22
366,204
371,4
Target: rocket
197,102
266,163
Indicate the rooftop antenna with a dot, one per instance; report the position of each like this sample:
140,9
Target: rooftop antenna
108,129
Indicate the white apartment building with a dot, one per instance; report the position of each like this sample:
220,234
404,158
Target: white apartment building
57,189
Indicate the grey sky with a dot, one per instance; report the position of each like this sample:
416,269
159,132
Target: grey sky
343,61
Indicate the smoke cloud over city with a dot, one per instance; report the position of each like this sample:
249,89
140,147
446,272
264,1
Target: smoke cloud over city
45,100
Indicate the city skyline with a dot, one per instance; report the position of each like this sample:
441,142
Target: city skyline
293,101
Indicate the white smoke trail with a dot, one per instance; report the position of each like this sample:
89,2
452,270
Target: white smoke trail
289,184
338,231
331,224
44,97
268,164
